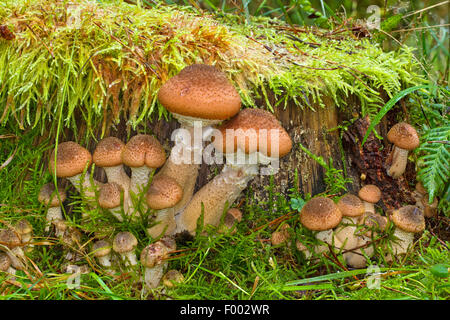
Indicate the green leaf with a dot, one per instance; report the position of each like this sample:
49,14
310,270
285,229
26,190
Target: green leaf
439,270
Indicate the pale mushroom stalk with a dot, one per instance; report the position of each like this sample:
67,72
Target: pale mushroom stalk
5,264
102,251
164,222
53,198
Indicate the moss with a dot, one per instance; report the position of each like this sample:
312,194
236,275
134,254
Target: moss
104,61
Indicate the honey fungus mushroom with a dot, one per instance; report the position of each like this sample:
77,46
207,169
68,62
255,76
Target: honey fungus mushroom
53,199
71,161
198,96
369,194
124,244
162,196
109,198
264,140
405,138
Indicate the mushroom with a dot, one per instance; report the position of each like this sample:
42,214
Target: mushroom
124,244
198,97
280,236
321,215
419,193
162,195
5,264
108,155
109,198
153,259
71,161
263,140
143,154
429,209
71,239
408,221
172,278
232,217
405,138
10,240
102,251
53,198
352,209
25,231
370,194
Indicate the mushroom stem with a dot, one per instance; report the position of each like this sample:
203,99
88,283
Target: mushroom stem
152,276
222,189
105,261
84,185
118,175
139,178
399,161
405,239
129,258
369,207
53,214
165,220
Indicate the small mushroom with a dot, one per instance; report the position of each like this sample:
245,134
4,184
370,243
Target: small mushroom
143,154
153,259
108,155
232,217
52,198
5,264
102,251
25,231
71,161
405,138
429,209
71,240
408,221
162,195
370,194
109,198
11,240
124,244
321,215
172,278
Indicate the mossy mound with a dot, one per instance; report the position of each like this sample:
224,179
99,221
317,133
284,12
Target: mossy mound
100,62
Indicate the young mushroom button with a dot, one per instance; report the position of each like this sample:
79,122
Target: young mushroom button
198,97
102,251
408,220
109,198
124,244
53,198
405,138
370,194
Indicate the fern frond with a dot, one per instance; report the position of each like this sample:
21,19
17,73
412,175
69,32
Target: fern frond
434,161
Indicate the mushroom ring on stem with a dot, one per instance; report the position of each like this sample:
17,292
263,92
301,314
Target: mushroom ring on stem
405,138
254,136
198,96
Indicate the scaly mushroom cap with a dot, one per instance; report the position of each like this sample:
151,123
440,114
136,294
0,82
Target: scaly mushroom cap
71,159
154,254
404,136
9,238
320,214
409,218
124,242
101,248
143,149
200,91
109,195
370,193
108,152
351,206
374,220
259,129
5,262
164,192
47,195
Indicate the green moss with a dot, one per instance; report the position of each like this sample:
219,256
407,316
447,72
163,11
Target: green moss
103,61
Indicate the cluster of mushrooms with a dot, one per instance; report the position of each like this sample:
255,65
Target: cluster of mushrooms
208,108
352,225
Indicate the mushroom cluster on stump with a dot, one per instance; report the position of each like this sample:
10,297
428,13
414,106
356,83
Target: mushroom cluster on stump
255,136
198,96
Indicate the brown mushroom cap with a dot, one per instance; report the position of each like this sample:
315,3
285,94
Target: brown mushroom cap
124,242
351,206
234,214
404,136
23,226
320,214
154,254
409,218
101,248
420,188
109,195
108,152
5,262
9,238
47,195
374,221
370,193
259,128
143,149
71,159
200,91
164,192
